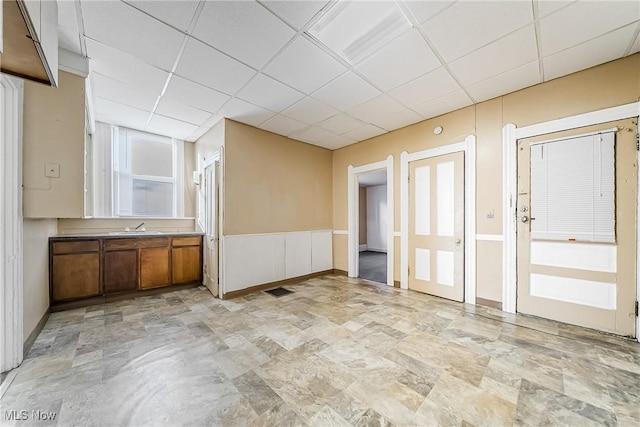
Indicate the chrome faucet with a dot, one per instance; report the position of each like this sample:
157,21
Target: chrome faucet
138,227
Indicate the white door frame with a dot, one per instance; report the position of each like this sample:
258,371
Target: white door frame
353,211
217,156
11,273
468,146
510,136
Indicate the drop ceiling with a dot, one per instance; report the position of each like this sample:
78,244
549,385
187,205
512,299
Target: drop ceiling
328,73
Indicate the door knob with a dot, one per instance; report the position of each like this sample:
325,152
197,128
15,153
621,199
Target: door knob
524,218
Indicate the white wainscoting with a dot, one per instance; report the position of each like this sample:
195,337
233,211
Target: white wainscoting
321,251
577,291
256,259
297,250
581,256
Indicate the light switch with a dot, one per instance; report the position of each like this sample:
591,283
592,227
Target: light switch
52,170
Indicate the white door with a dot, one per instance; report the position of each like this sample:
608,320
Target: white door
211,279
436,226
576,213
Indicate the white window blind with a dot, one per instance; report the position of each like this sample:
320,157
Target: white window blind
573,189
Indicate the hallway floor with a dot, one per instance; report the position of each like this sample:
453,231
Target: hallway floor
337,351
373,266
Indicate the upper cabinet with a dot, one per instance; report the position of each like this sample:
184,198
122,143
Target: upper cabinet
30,40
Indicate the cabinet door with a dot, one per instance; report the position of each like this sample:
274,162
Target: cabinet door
120,271
75,276
154,268
186,264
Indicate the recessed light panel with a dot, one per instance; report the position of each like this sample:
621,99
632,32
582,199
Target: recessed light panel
354,30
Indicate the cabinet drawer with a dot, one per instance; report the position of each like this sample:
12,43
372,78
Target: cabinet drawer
135,243
75,247
187,241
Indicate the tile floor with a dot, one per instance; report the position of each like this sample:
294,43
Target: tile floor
373,266
336,352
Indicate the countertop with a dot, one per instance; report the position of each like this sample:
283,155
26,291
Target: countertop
123,234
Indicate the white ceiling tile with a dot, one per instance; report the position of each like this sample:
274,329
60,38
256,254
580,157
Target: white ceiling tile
444,104
175,13
243,29
519,78
67,16
365,132
312,135
336,141
189,93
466,25
204,128
295,13
545,7
423,10
170,127
398,120
432,85
245,112
117,91
310,111
119,114
138,75
341,123
589,54
400,61
376,109
269,93
182,112
282,125
125,28
346,91
584,20
69,39
510,52
205,65
304,66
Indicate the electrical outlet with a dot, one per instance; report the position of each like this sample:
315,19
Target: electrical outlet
52,170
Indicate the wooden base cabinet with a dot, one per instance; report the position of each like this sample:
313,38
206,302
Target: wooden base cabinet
75,270
120,271
89,267
154,268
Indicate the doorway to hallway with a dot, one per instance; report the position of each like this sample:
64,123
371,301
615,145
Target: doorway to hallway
372,226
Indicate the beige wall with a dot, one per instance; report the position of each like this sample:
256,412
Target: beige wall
54,132
274,184
36,271
362,218
608,85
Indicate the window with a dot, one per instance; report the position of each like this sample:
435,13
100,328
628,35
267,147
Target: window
137,174
573,189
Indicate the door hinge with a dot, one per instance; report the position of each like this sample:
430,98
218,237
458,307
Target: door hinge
636,308
408,178
409,271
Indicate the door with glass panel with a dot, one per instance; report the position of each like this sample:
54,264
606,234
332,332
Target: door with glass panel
576,215
211,190
436,226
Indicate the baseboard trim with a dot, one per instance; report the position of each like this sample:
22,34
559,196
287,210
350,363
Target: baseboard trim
362,248
34,334
272,285
489,303
396,284
339,272
383,251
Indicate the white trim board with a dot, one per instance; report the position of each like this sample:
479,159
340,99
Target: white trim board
469,148
510,136
218,156
352,215
11,250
